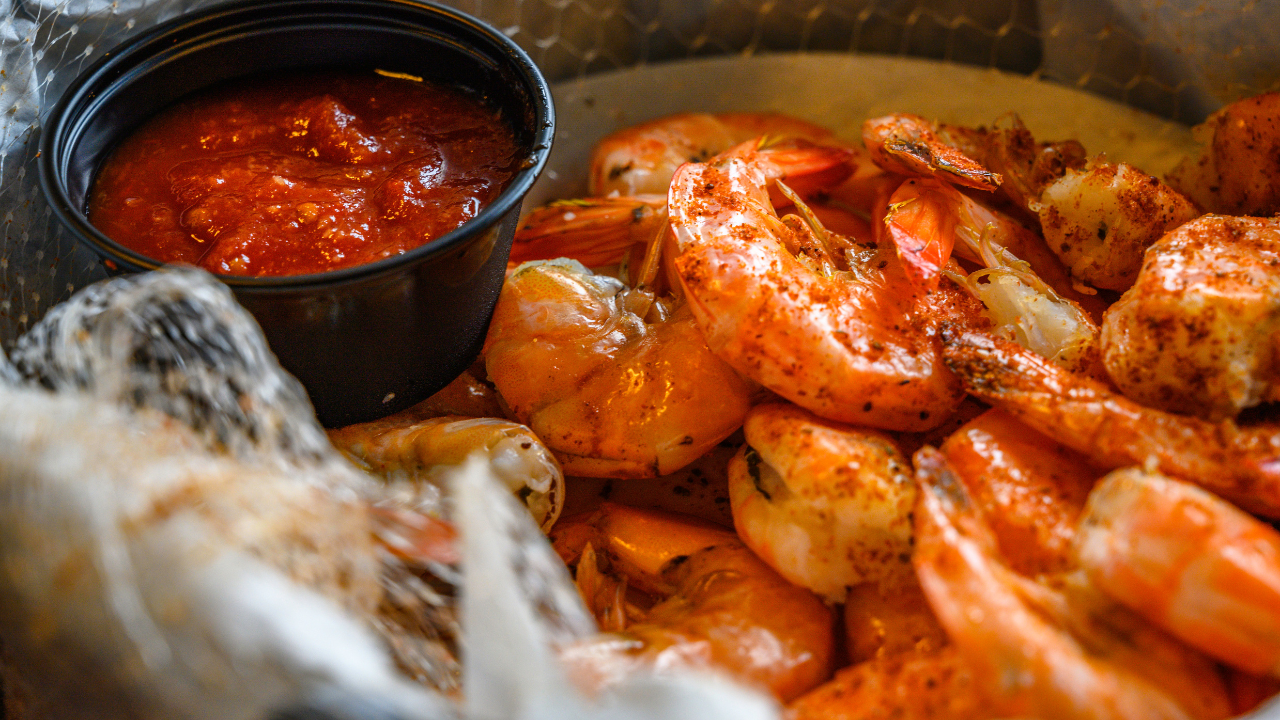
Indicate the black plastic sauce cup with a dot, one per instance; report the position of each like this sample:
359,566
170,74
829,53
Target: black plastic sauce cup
365,341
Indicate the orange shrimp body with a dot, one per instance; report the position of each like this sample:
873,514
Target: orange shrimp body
1030,488
1242,464
910,686
848,346
724,609
1189,562
642,158
613,394
1037,650
826,505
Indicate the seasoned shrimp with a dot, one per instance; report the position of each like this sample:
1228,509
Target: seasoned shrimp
1189,562
1030,488
1237,171
614,386
603,231
890,618
931,213
1098,217
415,455
722,608
850,346
700,489
594,231
1102,218
1198,332
827,506
936,685
1242,464
642,159
911,145
927,216
1042,651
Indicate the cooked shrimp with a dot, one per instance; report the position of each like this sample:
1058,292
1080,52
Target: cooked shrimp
1102,218
594,231
1198,332
935,685
910,145
927,217
1027,165
849,346
604,231
827,506
929,212
642,158
1242,464
1097,217
1189,562
1030,489
722,608
466,395
610,383
1237,171
415,455
700,489
1036,650
889,618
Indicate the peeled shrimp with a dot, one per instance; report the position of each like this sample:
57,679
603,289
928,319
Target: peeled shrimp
1198,332
847,345
1040,651
827,506
1102,218
721,607
1030,489
1242,464
1189,562
416,455
614,386
1236,173
642,158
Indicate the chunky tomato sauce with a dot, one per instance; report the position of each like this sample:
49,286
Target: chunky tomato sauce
303,174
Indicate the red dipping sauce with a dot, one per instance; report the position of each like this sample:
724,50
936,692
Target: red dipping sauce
304,173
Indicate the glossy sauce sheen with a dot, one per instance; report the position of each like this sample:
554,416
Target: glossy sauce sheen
303,173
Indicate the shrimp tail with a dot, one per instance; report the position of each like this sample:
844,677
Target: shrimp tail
923,233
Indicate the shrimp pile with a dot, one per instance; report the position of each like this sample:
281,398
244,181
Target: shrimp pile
935,422
1005,407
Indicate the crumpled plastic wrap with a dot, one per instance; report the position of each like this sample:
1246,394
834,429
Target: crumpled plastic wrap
169,551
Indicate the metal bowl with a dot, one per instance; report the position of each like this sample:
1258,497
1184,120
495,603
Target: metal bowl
365,341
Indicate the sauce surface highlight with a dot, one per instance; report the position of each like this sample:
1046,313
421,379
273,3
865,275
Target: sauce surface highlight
303,173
